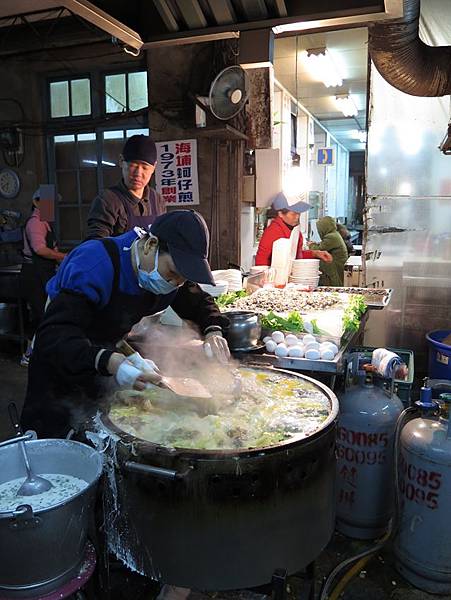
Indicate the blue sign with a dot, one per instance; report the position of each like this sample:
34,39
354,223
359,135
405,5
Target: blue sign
325,156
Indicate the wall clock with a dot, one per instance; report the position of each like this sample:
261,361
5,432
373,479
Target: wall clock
9,183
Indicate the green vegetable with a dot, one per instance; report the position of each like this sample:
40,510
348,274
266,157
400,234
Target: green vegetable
316,329
292,323
352,313
226,299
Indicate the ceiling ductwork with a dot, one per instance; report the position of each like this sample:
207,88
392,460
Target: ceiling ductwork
406,62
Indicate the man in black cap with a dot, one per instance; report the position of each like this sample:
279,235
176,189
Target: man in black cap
132,202
101,290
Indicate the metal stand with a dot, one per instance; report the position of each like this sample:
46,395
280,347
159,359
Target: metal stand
72,588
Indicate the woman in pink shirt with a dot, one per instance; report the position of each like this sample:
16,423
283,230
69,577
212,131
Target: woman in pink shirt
41,256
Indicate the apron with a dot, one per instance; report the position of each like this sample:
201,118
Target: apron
50,408
34,278
138,221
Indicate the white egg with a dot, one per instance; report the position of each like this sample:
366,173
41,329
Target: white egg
281,351
267,338
312,346
312,354
278,337
308,327
331,346
308,338
291,340
327,354
296,351
271,345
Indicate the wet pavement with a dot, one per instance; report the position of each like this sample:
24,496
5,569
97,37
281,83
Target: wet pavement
376,580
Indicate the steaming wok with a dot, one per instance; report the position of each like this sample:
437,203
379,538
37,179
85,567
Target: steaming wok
273,407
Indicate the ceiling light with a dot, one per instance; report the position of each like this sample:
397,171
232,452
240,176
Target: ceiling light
359,134
347,105
321,66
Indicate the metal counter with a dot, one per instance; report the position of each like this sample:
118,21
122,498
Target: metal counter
330,368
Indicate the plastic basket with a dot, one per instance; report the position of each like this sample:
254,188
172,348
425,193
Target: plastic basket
403,387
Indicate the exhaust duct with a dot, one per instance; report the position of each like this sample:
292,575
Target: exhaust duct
406,62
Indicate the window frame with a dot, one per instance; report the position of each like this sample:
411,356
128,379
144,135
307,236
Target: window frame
69,117
127,72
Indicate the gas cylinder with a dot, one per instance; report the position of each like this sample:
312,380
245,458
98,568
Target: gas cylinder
422,542
368,416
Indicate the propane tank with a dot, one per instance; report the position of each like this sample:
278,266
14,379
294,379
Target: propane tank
365,434
422,543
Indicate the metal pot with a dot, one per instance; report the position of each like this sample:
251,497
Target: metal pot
8,317
42,549
220,519
244,330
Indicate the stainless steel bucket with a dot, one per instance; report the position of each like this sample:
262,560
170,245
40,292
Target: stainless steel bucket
42,549
8,317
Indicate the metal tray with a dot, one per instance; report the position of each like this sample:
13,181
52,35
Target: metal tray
372,304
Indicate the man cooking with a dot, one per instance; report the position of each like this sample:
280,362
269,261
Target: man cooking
286,219
101,289
132,202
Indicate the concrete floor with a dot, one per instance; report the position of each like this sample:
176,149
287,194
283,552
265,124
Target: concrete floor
378,580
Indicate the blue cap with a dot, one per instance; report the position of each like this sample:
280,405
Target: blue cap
283,202
186,235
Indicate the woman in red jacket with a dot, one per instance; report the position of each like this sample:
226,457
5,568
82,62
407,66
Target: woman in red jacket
281,227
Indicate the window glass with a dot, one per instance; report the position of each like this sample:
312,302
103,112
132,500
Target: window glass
131,132
88,185
137,90
81,97
83,137
59,99
115,93
66,183
87,152
60,139
113,135
69,219
66,154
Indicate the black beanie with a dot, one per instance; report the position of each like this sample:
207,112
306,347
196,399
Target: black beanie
140,147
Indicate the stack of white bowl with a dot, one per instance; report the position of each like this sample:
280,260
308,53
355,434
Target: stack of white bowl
305,272
221,287
231,276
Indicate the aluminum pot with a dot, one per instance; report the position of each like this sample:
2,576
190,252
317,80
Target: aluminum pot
243,331
41,550
8,317
220,519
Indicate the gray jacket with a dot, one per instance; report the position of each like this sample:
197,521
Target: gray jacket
108,213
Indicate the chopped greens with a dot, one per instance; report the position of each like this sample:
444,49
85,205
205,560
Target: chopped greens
292,323
226,299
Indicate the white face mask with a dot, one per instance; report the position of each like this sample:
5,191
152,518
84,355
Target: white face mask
153,281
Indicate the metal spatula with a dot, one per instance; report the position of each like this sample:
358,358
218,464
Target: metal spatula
185,388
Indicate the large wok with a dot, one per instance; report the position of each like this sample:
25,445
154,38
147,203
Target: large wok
221,519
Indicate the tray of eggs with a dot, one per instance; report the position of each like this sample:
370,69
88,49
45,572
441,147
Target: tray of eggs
289,345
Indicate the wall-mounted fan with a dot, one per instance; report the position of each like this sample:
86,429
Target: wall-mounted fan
228,94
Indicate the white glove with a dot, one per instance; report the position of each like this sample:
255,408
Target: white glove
136,367
127,374
144,364
215,346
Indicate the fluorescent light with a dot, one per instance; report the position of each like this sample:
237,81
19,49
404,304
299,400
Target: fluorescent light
94,162
359,134
300,26
321,66
347,105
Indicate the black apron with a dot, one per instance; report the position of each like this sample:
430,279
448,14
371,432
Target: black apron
34,278
134,220
52,407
